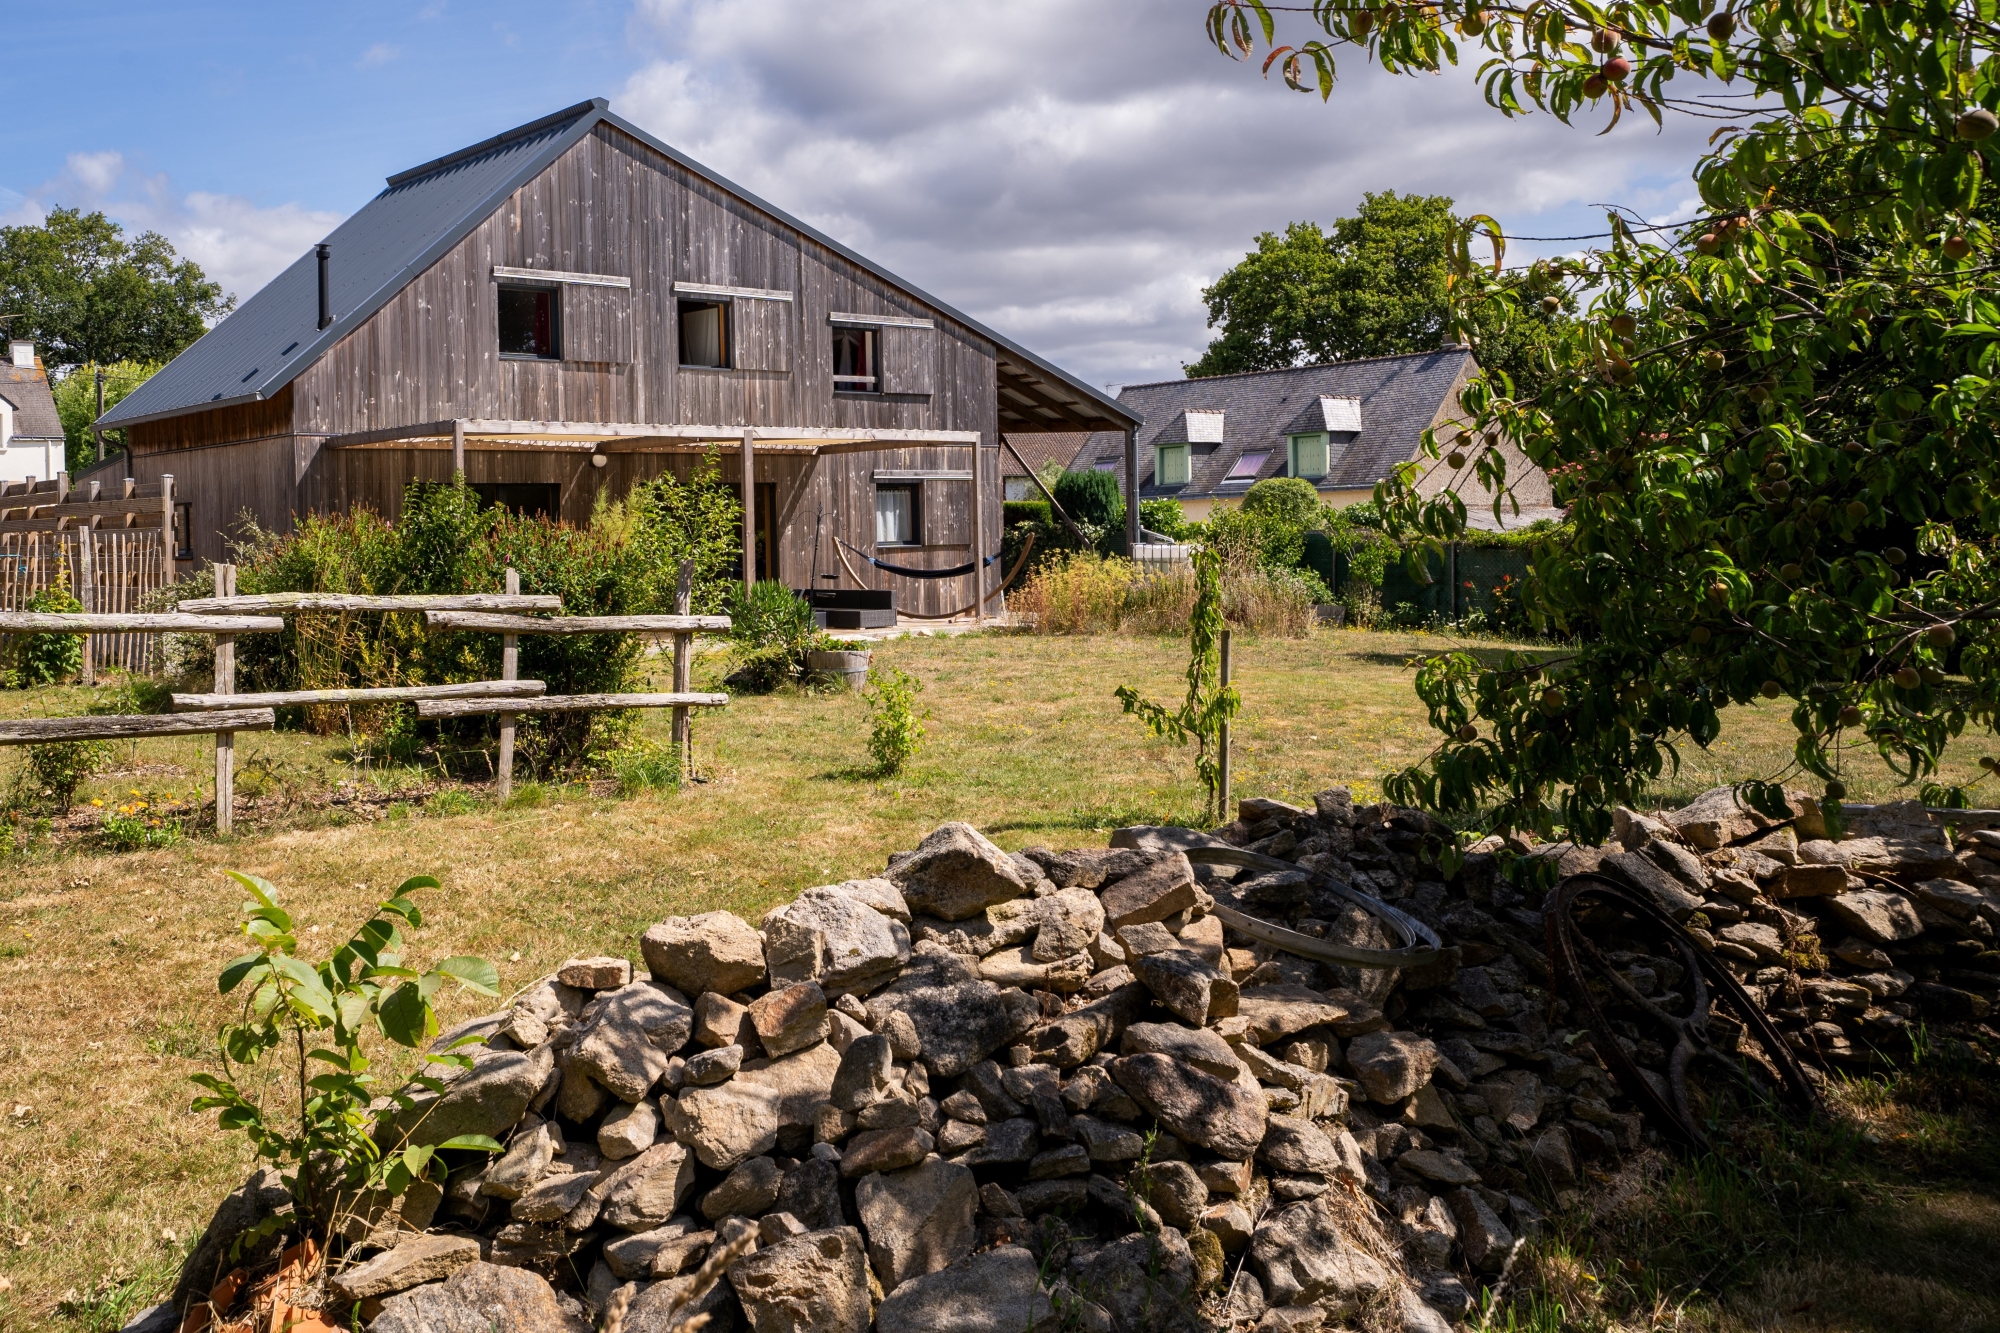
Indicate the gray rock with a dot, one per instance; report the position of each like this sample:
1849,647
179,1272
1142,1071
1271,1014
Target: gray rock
1105,1141
161,1318
956,873
716,951
1199,1108
1642,872
748,1191
833,938
884,1150
802,1082
1876,916
1154,892
1068,1041
1014,1140
1267,1014
811,1193
1481,1235
1514,1098
666,1251
628,1130
1018,967
553,1197
1188,985
526,1160
719,1021
712,1067
1071,920
1298,1147
998,1291
917,1220
482,1298
1682,864
648,1190
1175,1190
790,1019
863,1075
1144,1283
727,1124
1391,1065
415,1260
1305,1258
958,1018
649,1310
815,1283
595,974
626,1037
1440,1167
488,1099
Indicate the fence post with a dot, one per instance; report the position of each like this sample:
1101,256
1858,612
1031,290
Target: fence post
750,511
86,595
225,741
1222,744
510,663
683,662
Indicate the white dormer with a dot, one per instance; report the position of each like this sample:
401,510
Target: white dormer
6,423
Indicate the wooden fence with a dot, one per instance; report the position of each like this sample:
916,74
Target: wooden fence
114,541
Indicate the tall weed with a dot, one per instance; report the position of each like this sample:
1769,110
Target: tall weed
1079,594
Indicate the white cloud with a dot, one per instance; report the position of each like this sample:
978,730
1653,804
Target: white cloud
379,54
238,242
1075,175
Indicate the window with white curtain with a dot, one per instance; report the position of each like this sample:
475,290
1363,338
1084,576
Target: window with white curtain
898,520
705,334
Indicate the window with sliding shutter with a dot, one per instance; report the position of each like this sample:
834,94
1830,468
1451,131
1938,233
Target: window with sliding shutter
1170,465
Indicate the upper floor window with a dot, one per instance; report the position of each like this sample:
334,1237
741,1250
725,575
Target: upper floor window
855,365
1308,456
530,319
1248,466
705,333
1170,465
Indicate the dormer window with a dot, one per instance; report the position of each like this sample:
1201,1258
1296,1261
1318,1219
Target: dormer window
1170,465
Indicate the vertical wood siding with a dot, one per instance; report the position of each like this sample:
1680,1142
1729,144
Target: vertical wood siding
612,205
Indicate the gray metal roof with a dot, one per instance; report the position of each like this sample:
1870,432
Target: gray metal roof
27,391
264,344
1400,397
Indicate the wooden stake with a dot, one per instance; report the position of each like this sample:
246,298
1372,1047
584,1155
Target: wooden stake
510,664
1222,744
683,663
225,741
458,450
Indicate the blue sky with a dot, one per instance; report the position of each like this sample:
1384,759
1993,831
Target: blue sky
1072,174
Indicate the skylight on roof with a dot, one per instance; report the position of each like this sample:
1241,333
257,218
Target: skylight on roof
1248,466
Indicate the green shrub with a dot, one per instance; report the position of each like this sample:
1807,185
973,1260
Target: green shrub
771,631
1092,498
45,659
1164,516
896,733
56,771
451,801
1289,499
129,830
1025,511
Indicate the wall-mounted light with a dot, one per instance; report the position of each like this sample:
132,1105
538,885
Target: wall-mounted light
598,460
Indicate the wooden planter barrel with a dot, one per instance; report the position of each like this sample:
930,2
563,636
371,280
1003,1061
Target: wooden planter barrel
850,668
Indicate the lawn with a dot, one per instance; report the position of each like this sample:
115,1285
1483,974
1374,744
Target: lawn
108,961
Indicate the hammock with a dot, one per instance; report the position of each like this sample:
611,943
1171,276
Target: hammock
1006,583
958,572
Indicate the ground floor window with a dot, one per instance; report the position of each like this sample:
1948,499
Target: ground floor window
1019,488
530,499
898,514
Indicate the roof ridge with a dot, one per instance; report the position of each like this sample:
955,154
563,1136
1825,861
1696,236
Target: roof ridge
505,137
1293,370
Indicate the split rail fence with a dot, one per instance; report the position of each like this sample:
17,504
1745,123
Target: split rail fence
223,712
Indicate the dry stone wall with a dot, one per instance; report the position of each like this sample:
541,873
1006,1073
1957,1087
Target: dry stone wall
1020,1092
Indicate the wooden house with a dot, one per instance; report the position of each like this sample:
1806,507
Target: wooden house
573,307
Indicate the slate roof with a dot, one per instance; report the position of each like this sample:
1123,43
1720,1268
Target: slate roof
27,391
1400,398
1038,449
269,339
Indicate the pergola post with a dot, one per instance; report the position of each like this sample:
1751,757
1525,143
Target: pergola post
1131,491
749,511
978,537
458,450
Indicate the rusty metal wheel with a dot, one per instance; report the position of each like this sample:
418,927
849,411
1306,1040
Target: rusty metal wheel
1741,1046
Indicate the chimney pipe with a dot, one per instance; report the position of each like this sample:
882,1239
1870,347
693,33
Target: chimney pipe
325,297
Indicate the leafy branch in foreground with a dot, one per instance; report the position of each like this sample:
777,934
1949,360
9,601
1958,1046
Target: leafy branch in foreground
318,1016
1209,703
1773,426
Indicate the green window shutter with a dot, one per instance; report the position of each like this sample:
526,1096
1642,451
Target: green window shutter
1309,456
1170,465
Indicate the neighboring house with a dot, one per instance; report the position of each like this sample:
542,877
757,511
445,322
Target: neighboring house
31,434
573,307
1029,456
1341,426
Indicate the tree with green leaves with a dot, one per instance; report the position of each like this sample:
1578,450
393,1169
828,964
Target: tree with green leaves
76,403
1209,703
1376,284
84,292
1774,429
335,1142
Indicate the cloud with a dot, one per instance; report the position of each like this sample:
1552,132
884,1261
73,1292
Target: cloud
379,54
1075,175
238,242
